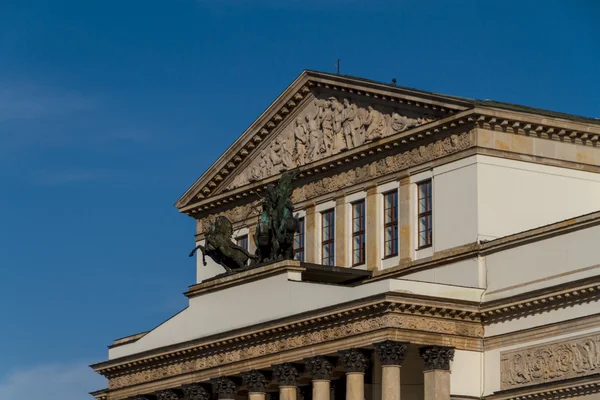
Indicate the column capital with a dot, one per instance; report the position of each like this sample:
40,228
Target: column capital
320,368
142,397
437,357
354,360
197,391
255,380
390,352
168,394
286,374
224,387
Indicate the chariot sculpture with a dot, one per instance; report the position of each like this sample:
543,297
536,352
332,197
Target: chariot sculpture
274,235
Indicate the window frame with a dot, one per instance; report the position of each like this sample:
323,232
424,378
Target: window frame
359,233
391,224
301,234
328,242
426,214
243,237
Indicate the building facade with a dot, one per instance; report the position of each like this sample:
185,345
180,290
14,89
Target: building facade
446,250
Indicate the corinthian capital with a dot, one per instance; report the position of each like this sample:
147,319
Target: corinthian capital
320,368
196,391
354,360
224,387
437,357
390,352
256,381
168,394
286,374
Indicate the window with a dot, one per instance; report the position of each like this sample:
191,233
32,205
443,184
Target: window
358,233
390,224
425,219
328,237
299,241
242,241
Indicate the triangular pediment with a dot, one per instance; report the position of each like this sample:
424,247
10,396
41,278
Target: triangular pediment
318,116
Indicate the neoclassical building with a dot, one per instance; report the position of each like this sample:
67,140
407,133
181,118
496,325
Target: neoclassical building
446,250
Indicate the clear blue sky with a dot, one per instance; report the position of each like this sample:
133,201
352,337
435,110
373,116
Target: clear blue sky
110,109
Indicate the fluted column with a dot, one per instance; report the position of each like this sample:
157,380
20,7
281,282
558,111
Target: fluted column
355,363
436,373
391,355
287,378
196,391
320,369
225,388
256,382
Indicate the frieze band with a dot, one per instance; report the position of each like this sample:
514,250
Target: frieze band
572,358
300,340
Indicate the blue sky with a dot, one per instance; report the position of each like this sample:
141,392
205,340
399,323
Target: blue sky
109,111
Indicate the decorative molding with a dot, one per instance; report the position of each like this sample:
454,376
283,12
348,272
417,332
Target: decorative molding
436,357
286,374
353,360
576,357
320,368
255,381
390,352
196,391
224,387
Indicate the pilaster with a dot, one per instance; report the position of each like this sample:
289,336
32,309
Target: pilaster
310,236
341,242
373,257
404,217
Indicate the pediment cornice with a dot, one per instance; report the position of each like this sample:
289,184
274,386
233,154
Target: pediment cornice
294,97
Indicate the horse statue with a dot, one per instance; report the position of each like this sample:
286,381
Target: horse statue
221,248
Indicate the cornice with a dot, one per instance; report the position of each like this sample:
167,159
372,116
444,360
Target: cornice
400,304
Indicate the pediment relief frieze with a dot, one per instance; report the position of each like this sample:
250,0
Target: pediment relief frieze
327,126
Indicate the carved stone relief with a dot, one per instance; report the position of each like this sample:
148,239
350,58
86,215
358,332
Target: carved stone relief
550,362
326,127
295,341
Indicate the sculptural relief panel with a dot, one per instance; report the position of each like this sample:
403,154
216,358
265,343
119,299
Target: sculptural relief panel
550,362
326,127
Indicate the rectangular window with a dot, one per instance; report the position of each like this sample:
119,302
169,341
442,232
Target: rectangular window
390,224
425,219
328,237
358,233
242,241
299,241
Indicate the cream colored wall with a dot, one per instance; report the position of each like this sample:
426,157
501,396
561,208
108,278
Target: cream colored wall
469,273
466,375
514,196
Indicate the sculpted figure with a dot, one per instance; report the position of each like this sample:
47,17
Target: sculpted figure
275,156
348,123
287,149
300,140
401,123
327,126
337,110
220,247
376,125
315,137
274,236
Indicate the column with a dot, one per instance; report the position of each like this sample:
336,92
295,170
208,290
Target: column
355,363
256,382
404,216
320,369
310,235
391,355
436,373
287,379
224,387
196,391
373,231
341,239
